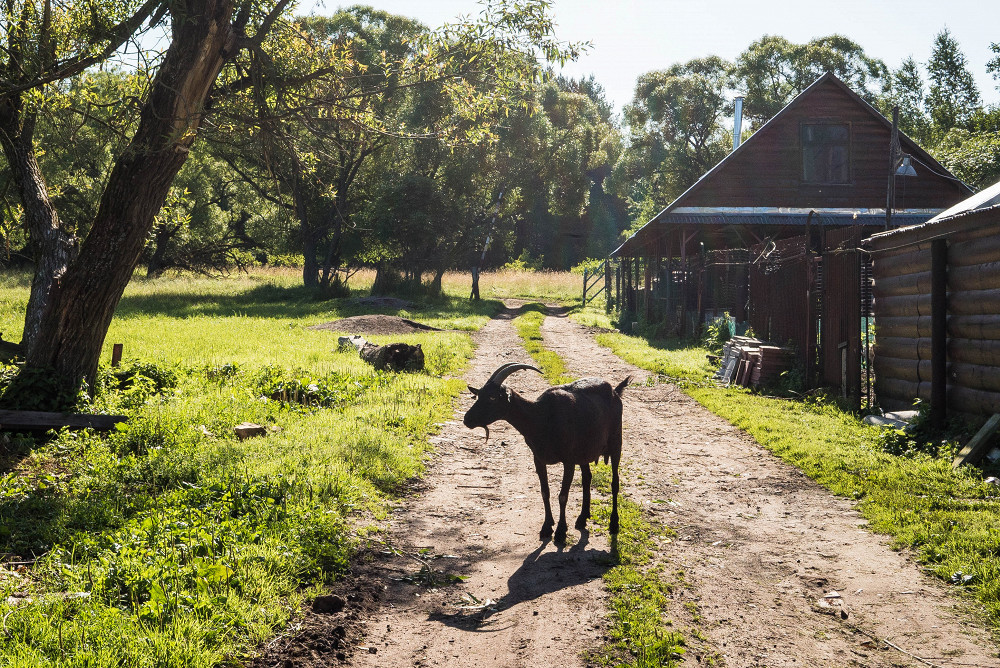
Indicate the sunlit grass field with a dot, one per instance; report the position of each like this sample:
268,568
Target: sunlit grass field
170,542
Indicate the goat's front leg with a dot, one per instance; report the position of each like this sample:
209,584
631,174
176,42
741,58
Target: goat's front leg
581,521
563,498
543,478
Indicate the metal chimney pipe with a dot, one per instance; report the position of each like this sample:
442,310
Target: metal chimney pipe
737,122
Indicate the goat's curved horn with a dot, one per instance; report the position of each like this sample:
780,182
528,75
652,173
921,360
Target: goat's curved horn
501,374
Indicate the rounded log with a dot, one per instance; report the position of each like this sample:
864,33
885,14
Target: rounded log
974,351
968,400
903,348
967,326
983,276
908,326
902,390
903,284
972,302
903,263
959,326
971,251
910,305
902,369
974,376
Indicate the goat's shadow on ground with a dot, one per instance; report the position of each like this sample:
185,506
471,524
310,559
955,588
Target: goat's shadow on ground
539,574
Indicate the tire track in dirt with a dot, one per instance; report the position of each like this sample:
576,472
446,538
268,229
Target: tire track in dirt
479,509
759,543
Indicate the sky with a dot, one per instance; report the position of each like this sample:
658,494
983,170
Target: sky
630,37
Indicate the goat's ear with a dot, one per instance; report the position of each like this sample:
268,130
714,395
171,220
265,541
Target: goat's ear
474,391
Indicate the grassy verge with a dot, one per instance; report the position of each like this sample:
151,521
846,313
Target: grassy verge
949,518
171,542
529,328
639,634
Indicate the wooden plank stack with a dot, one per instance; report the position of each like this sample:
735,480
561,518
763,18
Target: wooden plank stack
750,362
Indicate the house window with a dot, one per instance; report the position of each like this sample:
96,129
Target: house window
826,153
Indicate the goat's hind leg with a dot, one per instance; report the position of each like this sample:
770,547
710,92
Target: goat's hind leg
543,479
613,524
581,521
563,498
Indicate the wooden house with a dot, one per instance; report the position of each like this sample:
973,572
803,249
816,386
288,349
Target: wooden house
772,233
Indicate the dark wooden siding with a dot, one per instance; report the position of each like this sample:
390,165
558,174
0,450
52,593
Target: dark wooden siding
768,172
903,321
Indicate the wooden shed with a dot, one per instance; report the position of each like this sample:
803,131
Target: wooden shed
814,179
937,310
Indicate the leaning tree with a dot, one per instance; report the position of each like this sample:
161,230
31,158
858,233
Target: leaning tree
79,282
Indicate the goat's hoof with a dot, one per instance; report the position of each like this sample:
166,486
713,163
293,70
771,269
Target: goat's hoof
613,527
581,523
545,533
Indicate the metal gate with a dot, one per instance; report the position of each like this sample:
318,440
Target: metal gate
845,312
784,298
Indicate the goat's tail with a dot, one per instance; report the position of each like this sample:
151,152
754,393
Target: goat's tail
622,385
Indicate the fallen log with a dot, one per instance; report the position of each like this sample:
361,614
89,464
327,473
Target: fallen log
43,421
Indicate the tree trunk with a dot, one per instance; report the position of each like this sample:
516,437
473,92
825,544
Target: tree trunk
53,247
310,266
436,288
83,300
161,238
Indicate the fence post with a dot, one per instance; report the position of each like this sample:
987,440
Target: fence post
607,285
584,287
939,332
618,287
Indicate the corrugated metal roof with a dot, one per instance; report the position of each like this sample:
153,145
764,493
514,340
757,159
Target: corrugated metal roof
984,199
827,219
837,220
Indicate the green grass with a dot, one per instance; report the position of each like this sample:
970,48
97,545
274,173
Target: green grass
593,315
170,542
639,634
528,326
951,519
678,360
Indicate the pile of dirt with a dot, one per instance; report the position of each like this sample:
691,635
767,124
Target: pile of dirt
375,324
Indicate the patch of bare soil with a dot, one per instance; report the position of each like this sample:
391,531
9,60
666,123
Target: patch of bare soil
375,324
760,549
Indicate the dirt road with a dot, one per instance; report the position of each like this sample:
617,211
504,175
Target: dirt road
769,568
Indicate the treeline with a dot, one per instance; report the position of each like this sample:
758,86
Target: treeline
408,155
373,168
679,123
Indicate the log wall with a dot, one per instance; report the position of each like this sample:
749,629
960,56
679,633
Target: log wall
903,321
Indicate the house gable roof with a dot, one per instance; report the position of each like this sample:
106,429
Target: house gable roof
747,170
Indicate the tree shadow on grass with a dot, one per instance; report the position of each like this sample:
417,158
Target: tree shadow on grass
271,301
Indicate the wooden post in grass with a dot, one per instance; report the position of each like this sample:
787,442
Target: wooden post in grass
939,332
116,354
977,447
607,286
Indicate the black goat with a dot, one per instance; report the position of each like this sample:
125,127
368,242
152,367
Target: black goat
570,424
